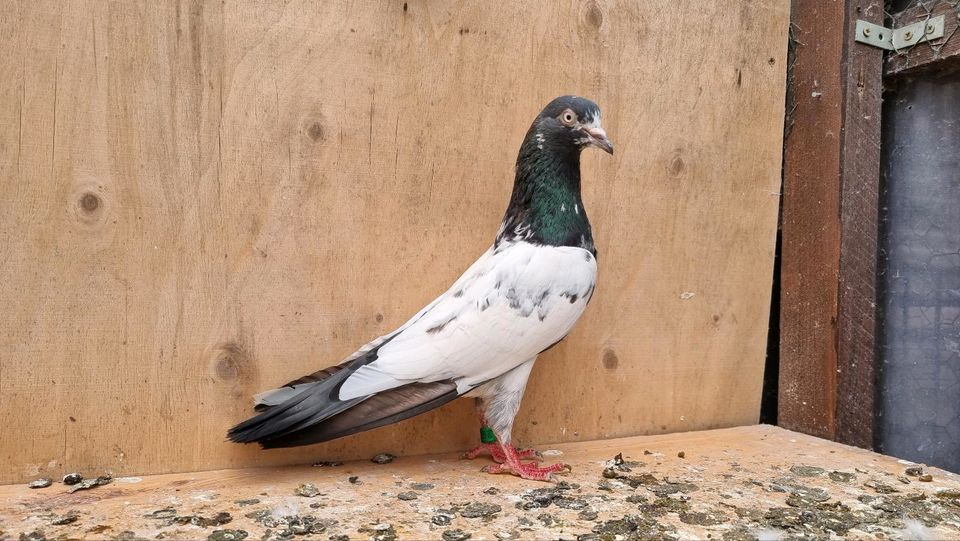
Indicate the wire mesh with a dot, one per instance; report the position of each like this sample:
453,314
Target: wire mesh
900,14
920,272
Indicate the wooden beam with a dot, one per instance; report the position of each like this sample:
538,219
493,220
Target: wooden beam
859,212
941,53
831,174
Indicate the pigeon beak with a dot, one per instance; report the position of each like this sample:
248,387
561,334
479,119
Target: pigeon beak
598,138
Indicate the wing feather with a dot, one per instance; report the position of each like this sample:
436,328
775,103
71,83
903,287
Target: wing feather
515,301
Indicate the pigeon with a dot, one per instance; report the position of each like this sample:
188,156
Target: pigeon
481,337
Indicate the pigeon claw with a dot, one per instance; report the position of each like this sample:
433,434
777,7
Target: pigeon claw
529,470
508,457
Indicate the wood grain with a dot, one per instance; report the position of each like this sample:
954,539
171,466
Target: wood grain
859,217
830,212
202,199
811,231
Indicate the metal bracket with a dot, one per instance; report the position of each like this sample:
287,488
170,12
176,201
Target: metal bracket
894,39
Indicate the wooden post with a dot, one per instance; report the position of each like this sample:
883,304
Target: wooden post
831,177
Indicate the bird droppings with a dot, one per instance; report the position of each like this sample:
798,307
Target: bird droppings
327,464
169,517
807,471
842,477
383,458
167,512
407,496
354,480
738,489
913,471
43,482
442,518
307,490
63,520
72,478
227,535
288,524
479,509
87,484
588,515
702,519
880,488
681,454
455,535
379,532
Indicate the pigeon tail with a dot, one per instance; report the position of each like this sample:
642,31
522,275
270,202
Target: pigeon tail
381,409
308,410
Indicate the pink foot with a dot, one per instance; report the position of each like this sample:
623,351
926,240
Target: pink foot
511,464
496,453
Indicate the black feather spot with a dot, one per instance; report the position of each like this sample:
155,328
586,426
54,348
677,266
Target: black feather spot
458,293
573,298
437,328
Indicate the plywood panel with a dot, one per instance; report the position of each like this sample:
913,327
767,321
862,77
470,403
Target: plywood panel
204,199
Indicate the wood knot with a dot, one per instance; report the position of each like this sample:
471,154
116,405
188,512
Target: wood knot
89,202
610,359
379,317
593,14
316,132
677,166
233,363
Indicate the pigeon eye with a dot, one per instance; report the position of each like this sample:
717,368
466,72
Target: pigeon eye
568,118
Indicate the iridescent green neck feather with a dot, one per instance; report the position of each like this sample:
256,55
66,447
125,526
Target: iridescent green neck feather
546,207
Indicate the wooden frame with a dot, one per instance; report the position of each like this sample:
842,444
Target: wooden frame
828,375
939,54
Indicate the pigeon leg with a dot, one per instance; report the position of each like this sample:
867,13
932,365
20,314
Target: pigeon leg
489,445
532,471
495,451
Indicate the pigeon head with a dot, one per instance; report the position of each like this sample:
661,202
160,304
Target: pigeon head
569,123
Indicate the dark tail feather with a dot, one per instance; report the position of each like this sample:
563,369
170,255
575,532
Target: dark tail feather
312,405
301,422
270,398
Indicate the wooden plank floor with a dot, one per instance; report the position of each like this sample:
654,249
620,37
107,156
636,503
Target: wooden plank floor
738,483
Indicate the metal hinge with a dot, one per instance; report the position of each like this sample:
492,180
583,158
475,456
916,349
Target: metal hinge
894,39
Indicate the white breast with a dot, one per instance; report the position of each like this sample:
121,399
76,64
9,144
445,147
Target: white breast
515,301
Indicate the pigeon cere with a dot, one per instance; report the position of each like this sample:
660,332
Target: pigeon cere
481,338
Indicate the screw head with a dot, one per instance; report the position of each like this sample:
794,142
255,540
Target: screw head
866,31
908,36
930,29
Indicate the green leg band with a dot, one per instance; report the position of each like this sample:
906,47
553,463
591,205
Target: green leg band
487,435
